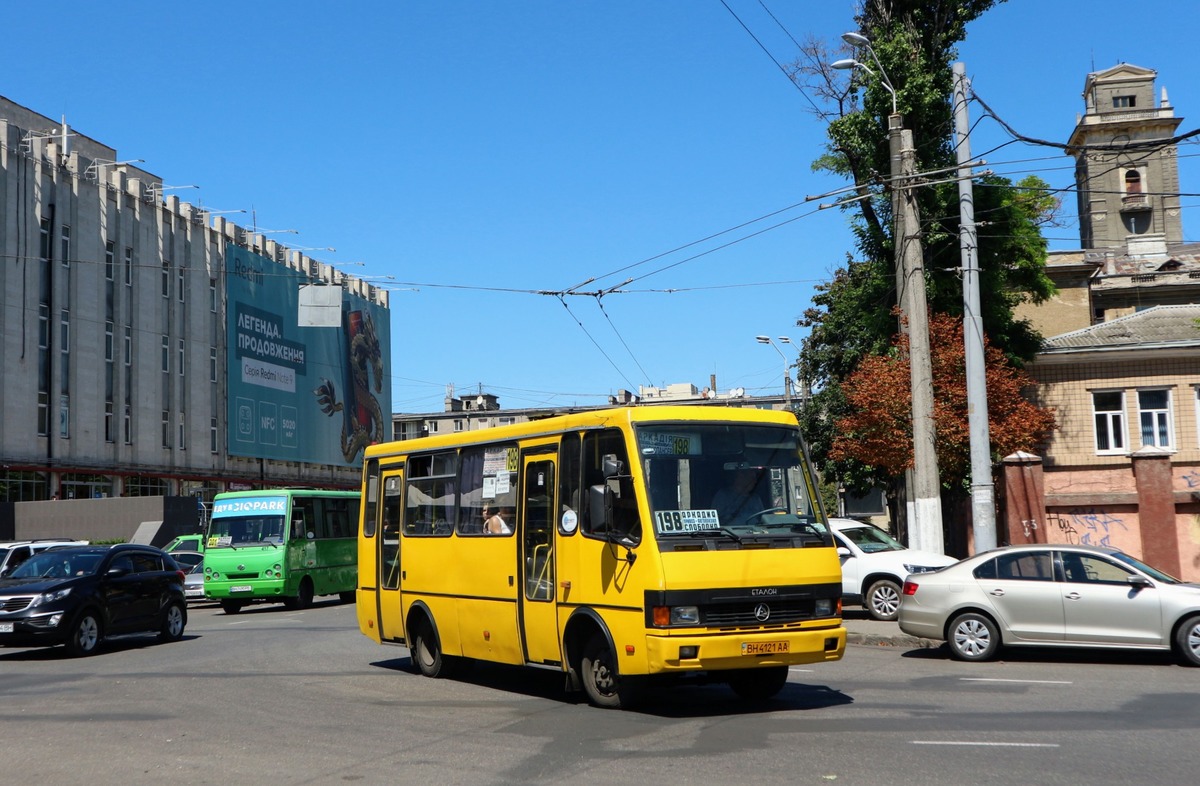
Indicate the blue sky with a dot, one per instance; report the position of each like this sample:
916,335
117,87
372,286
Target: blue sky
469,155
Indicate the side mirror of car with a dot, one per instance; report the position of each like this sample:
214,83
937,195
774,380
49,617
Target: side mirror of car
1139,582
844,552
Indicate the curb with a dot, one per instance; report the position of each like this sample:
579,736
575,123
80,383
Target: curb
898,640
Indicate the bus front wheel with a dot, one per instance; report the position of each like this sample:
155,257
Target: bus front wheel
232,606
603,683
758,684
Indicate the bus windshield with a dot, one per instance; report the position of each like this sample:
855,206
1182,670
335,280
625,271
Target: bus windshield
234,531
730,479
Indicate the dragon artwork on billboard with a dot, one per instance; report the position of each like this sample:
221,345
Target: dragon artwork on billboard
362,419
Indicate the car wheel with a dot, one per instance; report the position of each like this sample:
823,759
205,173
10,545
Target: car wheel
973,637
1187,641
231,606
883,600
758,684
86,634
173,621
604,685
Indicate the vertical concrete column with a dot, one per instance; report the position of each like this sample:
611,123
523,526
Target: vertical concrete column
1024,490
1156,508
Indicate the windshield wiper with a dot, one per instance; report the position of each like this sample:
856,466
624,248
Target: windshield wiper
706,533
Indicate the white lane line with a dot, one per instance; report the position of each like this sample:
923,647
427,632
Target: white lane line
1030,682
988,744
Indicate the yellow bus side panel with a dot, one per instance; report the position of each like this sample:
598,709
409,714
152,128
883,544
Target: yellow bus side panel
470,585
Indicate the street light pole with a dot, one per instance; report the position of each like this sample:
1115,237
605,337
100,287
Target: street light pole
924,503
787,375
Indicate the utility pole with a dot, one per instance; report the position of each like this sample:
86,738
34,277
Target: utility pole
983,504
925,502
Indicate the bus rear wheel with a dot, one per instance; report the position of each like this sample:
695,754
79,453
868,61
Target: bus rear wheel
604,685
427,655
304,596
232,606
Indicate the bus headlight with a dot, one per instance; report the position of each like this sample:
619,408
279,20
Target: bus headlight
823,607
669,616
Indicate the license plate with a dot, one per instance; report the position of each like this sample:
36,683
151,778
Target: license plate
242,588
6,627
763,647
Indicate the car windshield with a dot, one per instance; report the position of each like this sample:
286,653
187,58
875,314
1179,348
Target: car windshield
57,565
1153,573
731,479
871,539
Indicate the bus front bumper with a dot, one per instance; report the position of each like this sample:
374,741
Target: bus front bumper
746,650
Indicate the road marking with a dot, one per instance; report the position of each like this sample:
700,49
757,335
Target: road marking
988,744
1031,682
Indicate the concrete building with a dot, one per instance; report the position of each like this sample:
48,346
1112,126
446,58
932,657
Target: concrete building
150,348
1121,361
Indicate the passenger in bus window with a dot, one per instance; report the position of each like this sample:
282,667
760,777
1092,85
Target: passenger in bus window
494,523
740,499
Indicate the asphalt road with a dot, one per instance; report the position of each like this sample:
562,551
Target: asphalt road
279,697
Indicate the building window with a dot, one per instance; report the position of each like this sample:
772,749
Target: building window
110,252
1124,102
1133,182
1154,416
128,345
127,424
212,435
212,364
64,416
180,286
128,266
166,354
182,437
212,295
44,239
65,246
166,428
110,434
166,278
458,424
43,413
64,351
181,345
1109,409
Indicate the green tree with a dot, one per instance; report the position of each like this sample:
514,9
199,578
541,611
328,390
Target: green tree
851,318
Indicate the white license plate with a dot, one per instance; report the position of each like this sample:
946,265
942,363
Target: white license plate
242,588
6,627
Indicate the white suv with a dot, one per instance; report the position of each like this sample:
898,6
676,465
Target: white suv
874,566
14,552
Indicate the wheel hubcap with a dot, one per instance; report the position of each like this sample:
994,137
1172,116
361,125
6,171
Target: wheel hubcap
972,637
886,602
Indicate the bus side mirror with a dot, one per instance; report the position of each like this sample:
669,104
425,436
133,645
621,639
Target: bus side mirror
600,508
611,466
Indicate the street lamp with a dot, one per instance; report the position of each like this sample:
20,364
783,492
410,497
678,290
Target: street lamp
924,503
787,376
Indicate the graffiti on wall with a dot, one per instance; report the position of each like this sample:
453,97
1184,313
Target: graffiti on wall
1089,526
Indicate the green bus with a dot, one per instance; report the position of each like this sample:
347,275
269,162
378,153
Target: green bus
281,545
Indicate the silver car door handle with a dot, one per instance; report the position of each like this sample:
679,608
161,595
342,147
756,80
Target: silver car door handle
1072,596
997,592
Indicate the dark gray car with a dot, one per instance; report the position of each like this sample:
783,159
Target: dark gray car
76,596
1052,595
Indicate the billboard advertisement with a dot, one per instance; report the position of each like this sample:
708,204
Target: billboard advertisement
313,394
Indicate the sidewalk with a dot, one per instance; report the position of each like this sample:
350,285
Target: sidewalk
862,629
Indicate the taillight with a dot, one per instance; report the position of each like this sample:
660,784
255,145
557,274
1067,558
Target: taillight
179,573
910,588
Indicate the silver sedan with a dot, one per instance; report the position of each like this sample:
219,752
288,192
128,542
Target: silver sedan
1052,595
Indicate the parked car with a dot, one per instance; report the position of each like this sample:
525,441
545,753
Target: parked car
1052,595
14,552
79,595
193,583
874,565
194,542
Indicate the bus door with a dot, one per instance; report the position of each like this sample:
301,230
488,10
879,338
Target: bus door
391,613
539,613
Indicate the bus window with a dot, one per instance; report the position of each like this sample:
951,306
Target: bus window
601,448
389,545
570,493
371,481
431,494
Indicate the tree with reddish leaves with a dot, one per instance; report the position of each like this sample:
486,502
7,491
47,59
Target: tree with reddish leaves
878,429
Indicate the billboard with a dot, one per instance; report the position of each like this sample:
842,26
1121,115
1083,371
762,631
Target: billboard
313,394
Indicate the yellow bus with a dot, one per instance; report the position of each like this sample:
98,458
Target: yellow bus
614,545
